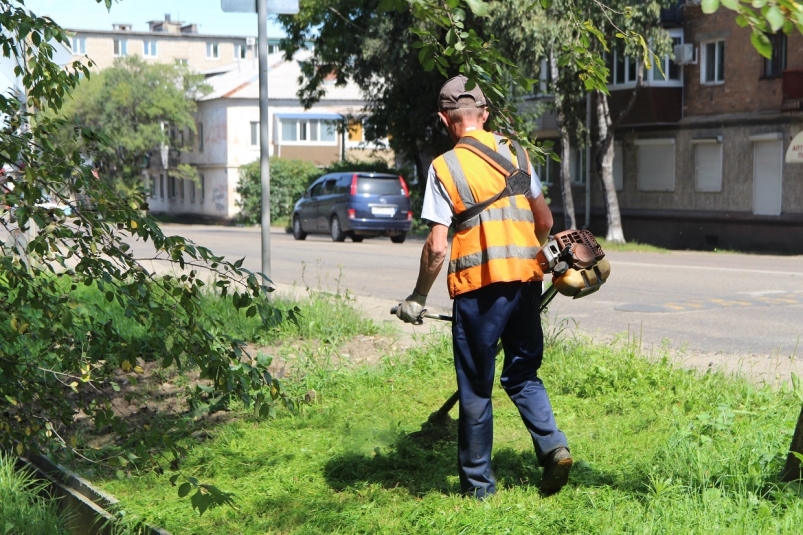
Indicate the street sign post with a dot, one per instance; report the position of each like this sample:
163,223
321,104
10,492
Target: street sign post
262,8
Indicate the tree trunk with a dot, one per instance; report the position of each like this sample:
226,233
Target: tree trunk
604,160
792,469
565,151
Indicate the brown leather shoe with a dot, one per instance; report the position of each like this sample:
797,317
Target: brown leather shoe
557,466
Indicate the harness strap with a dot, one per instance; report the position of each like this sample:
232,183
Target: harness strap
517,179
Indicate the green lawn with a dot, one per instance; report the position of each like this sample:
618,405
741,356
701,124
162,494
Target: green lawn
657,450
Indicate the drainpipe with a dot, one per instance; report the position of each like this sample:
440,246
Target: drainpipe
588,161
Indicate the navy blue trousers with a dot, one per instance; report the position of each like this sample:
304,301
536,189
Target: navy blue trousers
508,311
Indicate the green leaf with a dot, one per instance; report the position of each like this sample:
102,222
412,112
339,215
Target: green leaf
478,7
731,4
775,18
184,489
761,43
709,6
546,4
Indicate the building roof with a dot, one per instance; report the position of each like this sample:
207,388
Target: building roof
240,80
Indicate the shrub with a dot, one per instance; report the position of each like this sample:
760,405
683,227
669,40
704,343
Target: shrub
288,180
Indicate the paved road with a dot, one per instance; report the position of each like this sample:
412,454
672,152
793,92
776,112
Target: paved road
705,303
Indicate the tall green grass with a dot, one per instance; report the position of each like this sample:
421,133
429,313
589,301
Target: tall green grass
23,510
657,450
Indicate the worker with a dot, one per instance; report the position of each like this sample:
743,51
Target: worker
495,283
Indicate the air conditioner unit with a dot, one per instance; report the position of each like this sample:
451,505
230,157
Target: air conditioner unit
685,54
250,41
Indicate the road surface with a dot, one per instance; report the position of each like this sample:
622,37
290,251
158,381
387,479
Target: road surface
700,303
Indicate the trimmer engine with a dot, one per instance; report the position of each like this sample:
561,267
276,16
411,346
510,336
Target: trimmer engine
576,261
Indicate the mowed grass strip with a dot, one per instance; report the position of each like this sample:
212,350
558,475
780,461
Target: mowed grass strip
657,450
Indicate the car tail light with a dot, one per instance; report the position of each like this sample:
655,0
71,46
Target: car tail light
404,187
410,215
352,213
354,185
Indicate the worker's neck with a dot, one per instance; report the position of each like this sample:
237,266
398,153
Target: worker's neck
466,129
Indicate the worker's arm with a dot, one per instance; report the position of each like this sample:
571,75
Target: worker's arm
543,218
432,256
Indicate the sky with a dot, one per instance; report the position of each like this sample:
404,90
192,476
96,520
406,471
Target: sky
207,14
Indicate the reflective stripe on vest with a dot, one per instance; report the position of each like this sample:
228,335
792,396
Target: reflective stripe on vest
497,245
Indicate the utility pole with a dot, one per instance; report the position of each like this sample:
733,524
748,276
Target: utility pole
264,146
262,8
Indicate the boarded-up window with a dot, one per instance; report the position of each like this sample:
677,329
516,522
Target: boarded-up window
767,176
656,164
707,165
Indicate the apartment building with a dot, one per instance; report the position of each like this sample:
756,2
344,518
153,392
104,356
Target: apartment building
166,41
700,160
228,131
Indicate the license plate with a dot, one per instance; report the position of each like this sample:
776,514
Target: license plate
385,211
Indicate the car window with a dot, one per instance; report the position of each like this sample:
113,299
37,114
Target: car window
329,186
343,184
316,189
379,186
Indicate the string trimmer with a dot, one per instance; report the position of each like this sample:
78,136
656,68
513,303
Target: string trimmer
576,262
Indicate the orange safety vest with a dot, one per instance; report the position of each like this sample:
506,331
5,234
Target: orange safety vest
499,244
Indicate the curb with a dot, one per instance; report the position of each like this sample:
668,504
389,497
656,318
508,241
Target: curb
85,506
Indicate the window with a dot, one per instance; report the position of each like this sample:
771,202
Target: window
153,186
190,139
656,164
161,186
664,70
203,187
180,185
212,50
192,192
120,47
149,49
768,162
707,165
578,166
774,67
273,49
254,133
308,131
200,137
712,68
618,166
547,171
78,45
240,51
182,61
355,131
328,131
171,187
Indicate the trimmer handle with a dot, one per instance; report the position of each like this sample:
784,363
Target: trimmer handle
443,317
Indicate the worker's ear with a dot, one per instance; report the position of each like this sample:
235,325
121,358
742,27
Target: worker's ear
485,115
444,119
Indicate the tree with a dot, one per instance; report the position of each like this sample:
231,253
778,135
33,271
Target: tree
138,107
60,356
352,39
529,36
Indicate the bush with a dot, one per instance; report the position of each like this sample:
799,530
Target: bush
288,180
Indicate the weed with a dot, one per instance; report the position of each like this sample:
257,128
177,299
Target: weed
23,509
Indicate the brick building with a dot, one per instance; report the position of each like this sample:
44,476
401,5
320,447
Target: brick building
699,161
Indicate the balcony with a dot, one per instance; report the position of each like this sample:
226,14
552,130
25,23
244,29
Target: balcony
792,90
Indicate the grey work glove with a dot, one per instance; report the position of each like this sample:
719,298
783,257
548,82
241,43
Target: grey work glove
412,309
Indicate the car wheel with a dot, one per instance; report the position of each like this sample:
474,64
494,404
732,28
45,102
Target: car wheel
297,232
337,232
357,239
400,238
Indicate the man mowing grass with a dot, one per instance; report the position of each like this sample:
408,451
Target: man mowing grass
495,282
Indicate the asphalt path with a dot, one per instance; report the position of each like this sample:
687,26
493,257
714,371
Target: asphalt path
702,303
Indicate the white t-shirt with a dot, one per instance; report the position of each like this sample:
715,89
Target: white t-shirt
438,206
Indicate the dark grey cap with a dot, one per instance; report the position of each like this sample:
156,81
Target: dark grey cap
453,89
